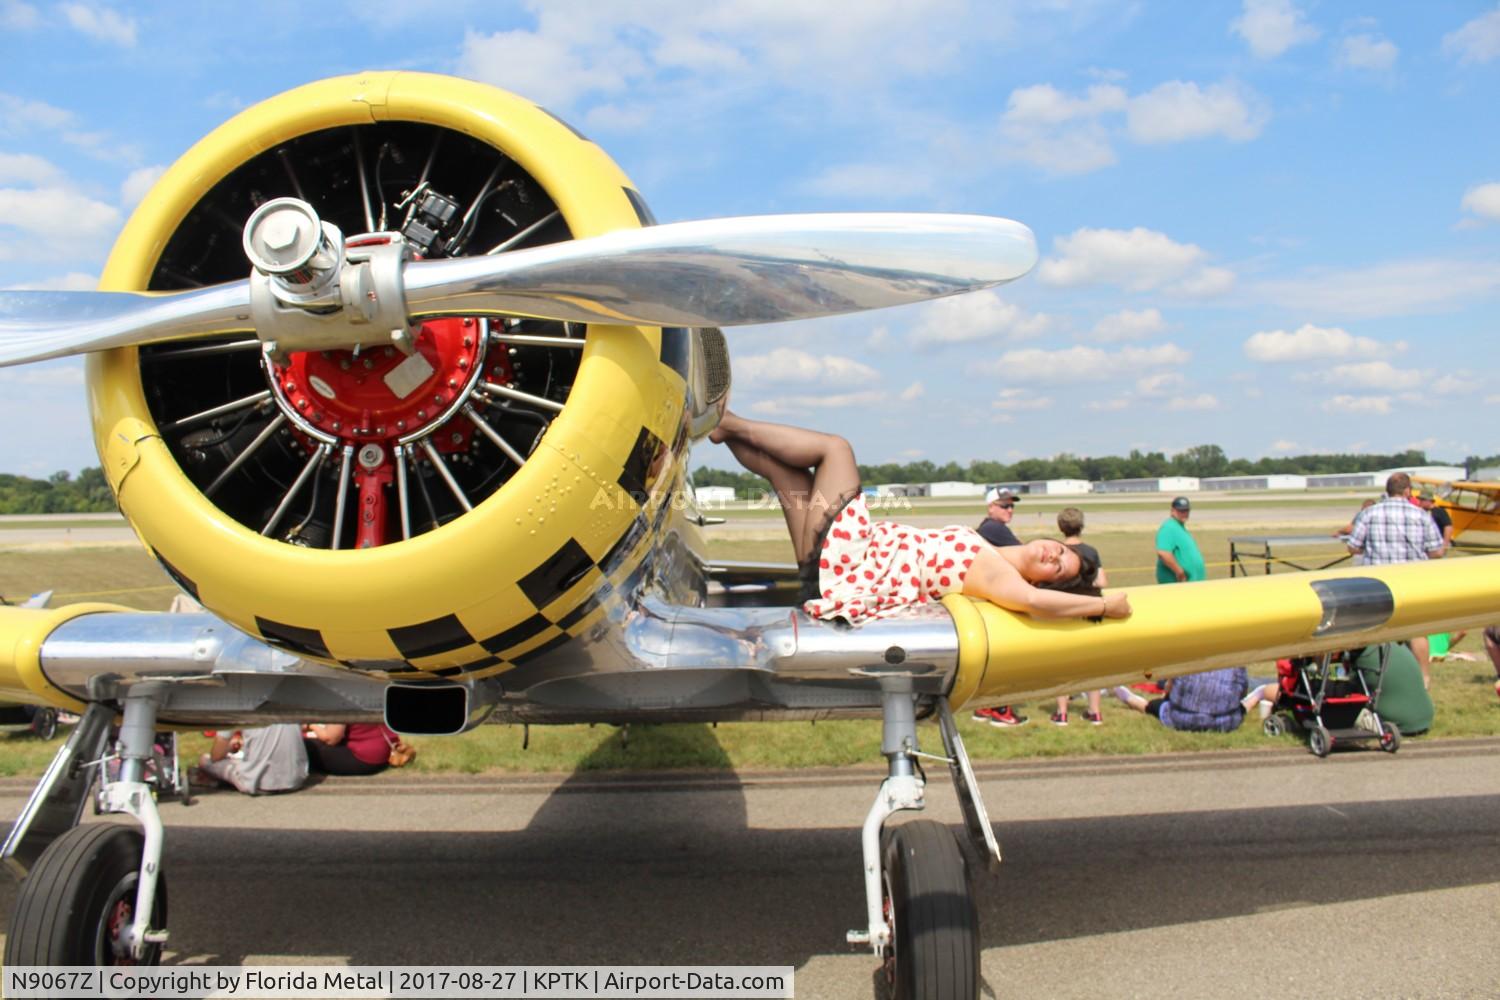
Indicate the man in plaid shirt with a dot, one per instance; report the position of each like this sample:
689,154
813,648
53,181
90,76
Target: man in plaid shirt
1396,530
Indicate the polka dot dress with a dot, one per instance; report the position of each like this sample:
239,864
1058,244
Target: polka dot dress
873,569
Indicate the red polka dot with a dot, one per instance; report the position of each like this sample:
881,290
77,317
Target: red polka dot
869,575
968,563
906,567
944,581
844,558
947,564
822,564
827,593
960,547
826,543
948,538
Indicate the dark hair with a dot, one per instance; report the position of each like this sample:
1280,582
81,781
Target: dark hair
1398,484
1070,521
1083,582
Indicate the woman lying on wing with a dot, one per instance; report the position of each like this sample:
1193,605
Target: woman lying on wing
856,568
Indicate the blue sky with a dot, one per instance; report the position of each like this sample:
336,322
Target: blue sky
1273,225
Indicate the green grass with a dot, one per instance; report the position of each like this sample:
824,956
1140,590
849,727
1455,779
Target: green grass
1463,694
121,574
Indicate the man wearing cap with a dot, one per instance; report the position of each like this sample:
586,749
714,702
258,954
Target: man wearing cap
1427,500
1177,557
995,528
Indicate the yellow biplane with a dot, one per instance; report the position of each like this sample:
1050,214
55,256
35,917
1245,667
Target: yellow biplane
395,374
1473,506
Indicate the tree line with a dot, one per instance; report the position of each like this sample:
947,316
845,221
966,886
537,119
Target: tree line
59,493
1202,461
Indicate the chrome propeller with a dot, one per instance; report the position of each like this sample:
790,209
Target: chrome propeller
721,272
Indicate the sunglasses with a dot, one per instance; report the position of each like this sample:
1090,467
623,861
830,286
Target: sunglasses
1006,506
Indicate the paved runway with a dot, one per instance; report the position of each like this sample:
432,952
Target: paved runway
1239,874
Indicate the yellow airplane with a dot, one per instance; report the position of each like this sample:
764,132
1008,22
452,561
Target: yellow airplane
1473,506
396,376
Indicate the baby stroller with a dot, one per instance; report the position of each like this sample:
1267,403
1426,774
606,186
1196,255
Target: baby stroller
1330,700
163,772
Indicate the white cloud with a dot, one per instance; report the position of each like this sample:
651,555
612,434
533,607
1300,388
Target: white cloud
73,281
1492,400
1012,400
1357,404
1478,41
865,181
17,16
134,187
976,316
101,24
787,405
913,392
1109,405
1484,201
1284,447
1138,260
19,114
1375,375
580,51
1159,384
61,375
1082,364
1454,384
788,364
1311,343
25,168
1177,110
37,210
1202,401
1270,27
1067,134
1394,288
1128,324
1364,51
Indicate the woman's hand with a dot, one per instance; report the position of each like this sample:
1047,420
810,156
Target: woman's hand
1116,605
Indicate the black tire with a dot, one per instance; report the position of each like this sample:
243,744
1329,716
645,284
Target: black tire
44,724
1273,726
934,953
1319,741
81,887
1390,737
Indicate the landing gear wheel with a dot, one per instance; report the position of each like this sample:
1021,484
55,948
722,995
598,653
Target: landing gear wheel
45,723
934,951
79,897
1273,726
1319,741
1390,737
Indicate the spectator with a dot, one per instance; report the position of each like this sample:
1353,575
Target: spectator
1204,702
1492,647
1177,557
1000,507
356,749
1348,529
1070,523
1396,531
271,759
1427,500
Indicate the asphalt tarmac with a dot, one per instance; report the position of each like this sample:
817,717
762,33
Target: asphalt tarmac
1207,875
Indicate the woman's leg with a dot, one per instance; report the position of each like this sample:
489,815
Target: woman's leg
813,473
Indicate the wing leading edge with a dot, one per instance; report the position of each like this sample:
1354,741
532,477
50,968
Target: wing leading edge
1185,628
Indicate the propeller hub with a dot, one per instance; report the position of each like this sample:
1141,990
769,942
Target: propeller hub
381,395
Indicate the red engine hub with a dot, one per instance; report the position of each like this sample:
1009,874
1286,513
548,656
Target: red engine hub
380,393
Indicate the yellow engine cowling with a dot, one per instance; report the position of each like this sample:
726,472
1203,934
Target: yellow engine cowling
480,588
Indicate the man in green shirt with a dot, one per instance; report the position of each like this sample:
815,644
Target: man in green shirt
1177,557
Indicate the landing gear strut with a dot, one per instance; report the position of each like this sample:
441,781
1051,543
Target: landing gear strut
922,921
92,895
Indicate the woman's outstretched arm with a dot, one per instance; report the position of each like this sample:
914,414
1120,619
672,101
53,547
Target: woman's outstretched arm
1000,583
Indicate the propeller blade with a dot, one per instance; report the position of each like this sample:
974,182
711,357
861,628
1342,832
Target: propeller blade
733,272
718,272
35,326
